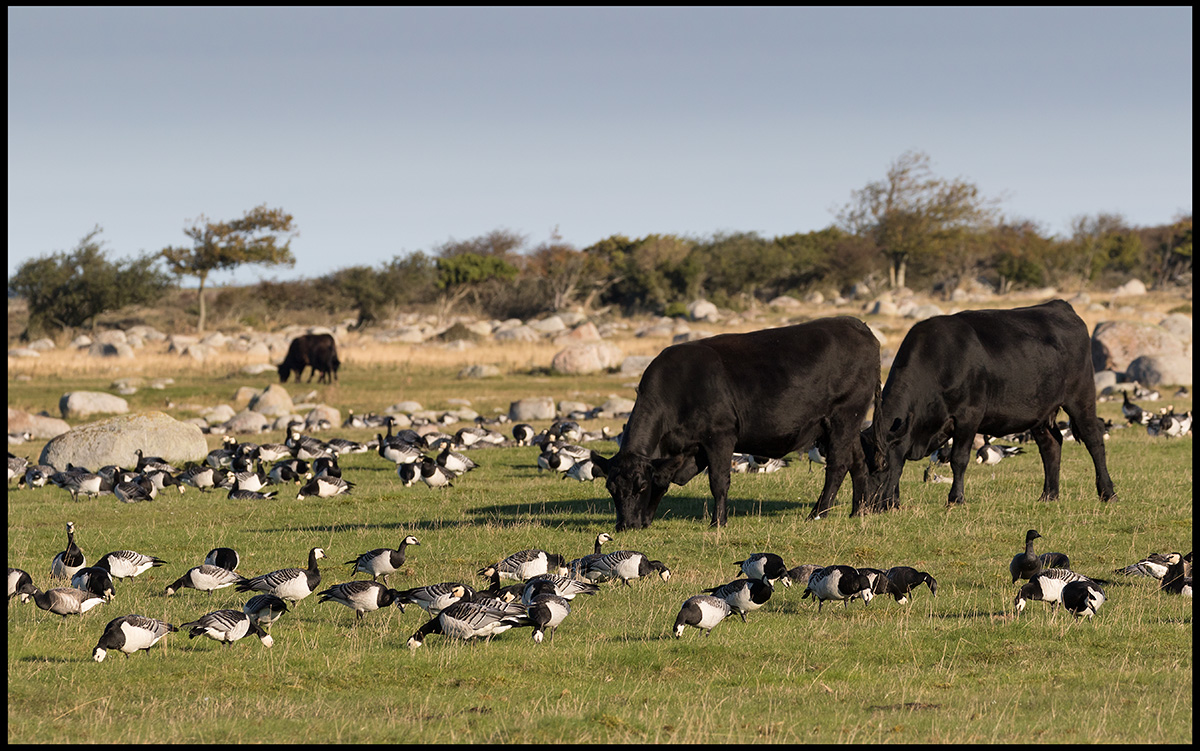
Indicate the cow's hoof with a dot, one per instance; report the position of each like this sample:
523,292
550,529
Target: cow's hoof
1110,498
1049,497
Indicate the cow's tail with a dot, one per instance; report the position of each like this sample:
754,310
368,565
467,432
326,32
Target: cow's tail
877,429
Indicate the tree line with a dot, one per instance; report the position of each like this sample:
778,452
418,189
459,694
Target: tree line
911,229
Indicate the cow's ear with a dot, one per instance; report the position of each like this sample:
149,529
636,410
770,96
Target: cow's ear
602,463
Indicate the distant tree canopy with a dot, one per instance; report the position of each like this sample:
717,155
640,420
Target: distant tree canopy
255,238
911,228
67,290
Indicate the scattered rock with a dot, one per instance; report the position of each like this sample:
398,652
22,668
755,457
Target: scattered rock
40,426
1115,344
703,310
115,440
77,405
247,421
1161,370
532,408
479,371
1131,287
273,401
580,359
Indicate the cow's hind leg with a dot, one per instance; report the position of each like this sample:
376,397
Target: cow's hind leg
720,460
1086,427
1049,443
960,456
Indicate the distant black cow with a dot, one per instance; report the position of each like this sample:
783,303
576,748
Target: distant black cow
765,393
317,351
994,372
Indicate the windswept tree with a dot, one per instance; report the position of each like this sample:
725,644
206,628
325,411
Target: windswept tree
261,236
912,212
70,289
465,266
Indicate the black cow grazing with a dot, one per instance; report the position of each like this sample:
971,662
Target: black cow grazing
765,393
994,372
317,351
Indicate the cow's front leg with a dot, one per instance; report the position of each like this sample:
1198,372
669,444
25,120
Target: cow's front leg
720,461
1049,443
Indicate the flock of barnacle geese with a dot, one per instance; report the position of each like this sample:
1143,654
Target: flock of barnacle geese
546,584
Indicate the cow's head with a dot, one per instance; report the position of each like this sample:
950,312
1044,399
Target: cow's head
885,444
635,482
284,372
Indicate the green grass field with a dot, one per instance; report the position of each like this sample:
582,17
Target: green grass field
958,667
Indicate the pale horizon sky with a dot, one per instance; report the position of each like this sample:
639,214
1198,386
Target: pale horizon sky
386,131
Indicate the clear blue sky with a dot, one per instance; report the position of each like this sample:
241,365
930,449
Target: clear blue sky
388,131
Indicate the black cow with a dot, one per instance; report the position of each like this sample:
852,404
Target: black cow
765,393
317,351
994,372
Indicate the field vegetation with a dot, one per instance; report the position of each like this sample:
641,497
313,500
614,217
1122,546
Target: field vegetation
958,667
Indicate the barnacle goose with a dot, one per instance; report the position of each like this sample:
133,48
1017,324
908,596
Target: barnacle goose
838,583
361,596
226,626
992,455
545,609
1083,598
65,601
252,481
1132,412
504,594
1046,586
66,563
123,564
226,558
1154,565
435,475
409,474
292,584
455,461
397,451
94,579
467,620
434,598
743,595
134,491
86,483
20,584
704,612
325,487
236,494
584,471
1177,579
526,564
523,433
765,567
576,567
129,633
152,462
625,565
206,578
382,561
200,477
264,609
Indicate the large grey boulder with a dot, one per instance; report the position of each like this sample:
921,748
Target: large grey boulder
1115,344
115,441
703,310
580,359
40,426
1162,370
272,401
246,421
78,405
532,408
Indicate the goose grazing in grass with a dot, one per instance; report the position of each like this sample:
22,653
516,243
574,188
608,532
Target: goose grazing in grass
455,461
1083,598
1178,578
545,609
152,462
256,480
226,626
435,475
576,567
1154,565
467,620
325,487
123,564
838,583
906,578
523,433
206,578
396,450
226,558
95,580
382,561
765,567
134,491
409,474
200,477
800,574
526,564
434,598
65,601
361,596
1046,586
494,590
20,584
625,565
129,633
743,595
86,483
584,471
993,455
66,563
291,584
1132,412
704,612
264,609
237,494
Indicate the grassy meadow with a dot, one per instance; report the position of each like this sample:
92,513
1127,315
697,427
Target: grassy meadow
958,667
